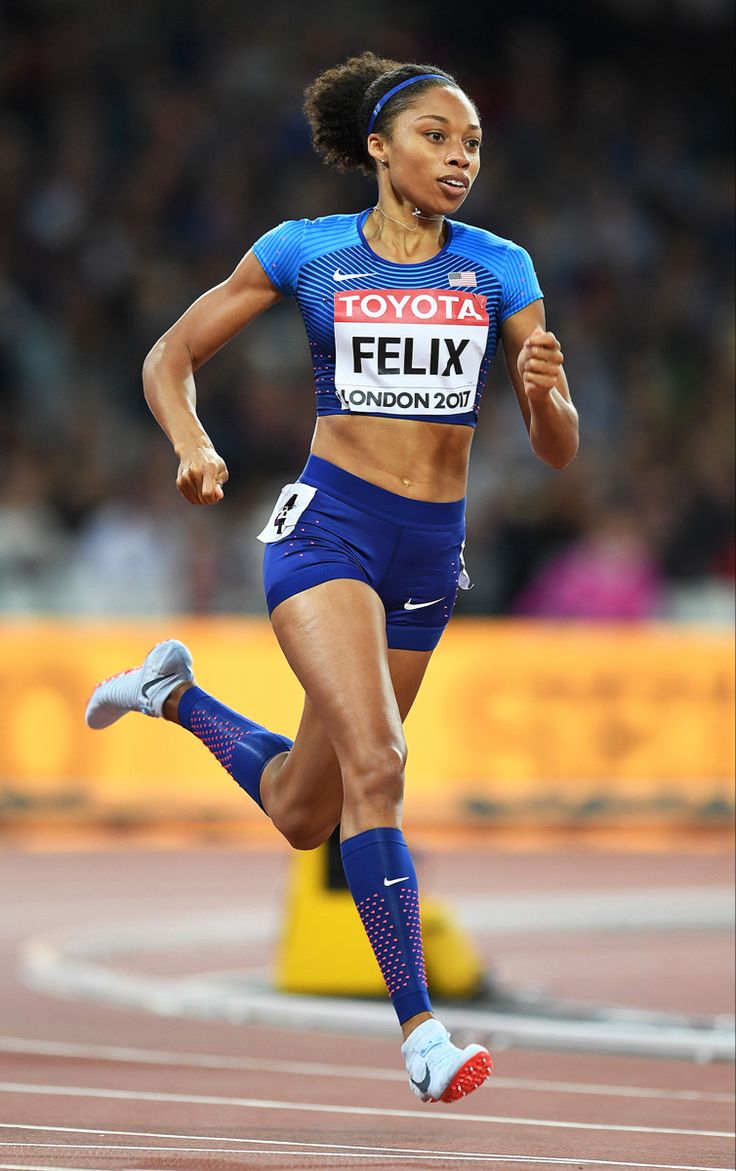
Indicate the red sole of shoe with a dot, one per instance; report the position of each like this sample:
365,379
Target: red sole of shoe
469,1077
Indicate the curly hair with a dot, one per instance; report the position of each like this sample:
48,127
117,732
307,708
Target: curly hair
339,103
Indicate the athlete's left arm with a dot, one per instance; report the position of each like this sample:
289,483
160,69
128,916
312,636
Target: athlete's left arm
534,360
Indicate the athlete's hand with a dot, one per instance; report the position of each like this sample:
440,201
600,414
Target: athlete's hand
201,475
539,362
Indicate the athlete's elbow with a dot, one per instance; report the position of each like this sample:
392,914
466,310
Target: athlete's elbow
166,358
560,465
151,365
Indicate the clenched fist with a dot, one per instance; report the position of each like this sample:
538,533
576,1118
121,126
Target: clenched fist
201,474
539,362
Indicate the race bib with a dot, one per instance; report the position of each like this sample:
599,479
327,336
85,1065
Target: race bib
294,498
409,351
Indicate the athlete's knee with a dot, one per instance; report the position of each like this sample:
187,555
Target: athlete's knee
376,773
304,830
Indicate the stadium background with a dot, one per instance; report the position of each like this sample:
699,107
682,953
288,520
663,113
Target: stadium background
143,147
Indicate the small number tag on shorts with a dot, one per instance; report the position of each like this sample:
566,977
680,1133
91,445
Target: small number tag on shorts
293,500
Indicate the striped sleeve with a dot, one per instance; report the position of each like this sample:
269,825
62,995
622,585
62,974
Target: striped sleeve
279,255
520,284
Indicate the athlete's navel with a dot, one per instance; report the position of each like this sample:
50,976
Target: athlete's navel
406,483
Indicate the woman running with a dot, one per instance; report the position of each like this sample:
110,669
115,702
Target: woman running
403,308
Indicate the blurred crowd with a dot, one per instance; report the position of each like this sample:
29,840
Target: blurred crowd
145,146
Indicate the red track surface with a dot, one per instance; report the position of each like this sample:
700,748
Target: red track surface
101,1110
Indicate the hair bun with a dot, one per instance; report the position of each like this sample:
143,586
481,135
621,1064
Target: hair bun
338,105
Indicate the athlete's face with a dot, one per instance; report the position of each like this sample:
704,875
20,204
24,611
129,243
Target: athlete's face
433,153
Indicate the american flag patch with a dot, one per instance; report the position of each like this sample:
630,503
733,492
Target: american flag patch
456,279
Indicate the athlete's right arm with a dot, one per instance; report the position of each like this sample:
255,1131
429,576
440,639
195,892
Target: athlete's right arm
168,372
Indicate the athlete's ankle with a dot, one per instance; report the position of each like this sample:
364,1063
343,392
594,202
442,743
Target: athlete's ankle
170,709
408,1026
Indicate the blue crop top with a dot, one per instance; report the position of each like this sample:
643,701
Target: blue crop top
412,341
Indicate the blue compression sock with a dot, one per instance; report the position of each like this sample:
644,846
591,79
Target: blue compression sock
242,747
383,883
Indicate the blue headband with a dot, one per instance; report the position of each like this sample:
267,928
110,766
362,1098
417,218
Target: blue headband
402,85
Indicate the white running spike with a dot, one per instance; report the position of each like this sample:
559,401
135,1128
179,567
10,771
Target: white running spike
141,689
438,1070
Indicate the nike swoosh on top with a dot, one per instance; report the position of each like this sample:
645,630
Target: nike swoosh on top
349,276
423,1085
419,605
152,682
393,881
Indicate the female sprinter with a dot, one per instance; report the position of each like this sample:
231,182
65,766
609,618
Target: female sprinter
403,308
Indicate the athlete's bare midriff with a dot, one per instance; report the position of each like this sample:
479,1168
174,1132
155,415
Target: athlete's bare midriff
424,461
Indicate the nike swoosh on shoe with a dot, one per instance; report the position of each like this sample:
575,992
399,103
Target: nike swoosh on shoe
423,1085
152,683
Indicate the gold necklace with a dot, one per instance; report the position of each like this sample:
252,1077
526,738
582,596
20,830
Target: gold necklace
408,227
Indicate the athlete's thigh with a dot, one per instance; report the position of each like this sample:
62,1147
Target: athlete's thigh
309,784
334,639
313,753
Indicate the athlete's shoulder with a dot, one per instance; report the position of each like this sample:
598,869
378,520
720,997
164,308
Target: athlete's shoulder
483,241
327,234
332,223
510,264
292,245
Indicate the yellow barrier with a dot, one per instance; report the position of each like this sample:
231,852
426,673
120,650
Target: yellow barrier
512,716
323,949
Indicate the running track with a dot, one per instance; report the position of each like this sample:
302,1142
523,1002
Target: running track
87,1086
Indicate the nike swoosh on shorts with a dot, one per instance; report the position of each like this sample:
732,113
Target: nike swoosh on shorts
420,605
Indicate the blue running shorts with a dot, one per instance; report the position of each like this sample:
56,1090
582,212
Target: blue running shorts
331,524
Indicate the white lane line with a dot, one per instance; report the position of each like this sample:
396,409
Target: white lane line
304,1147
525,1160
126,1054
321,1108
315,1149
510,1083
318,1154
